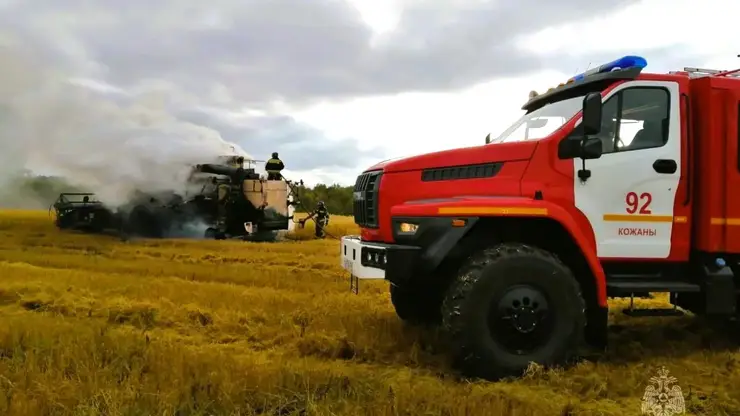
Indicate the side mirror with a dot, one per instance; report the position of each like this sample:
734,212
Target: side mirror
488,138
591,148
587,148
591,115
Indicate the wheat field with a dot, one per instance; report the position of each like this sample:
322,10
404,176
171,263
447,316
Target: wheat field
90,325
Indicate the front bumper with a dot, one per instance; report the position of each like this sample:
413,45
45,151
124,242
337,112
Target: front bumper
365,260
413,258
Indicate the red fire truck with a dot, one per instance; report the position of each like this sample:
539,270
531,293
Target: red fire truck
614,183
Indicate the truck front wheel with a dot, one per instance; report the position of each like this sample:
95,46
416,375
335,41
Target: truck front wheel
510,305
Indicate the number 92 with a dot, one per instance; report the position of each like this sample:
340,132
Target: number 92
638,204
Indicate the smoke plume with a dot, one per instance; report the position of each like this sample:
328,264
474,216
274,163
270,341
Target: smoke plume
110,142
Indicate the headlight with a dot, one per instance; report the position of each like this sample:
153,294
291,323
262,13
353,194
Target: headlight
407,228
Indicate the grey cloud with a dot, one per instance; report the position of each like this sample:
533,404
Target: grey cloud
250,53
297,49
301,147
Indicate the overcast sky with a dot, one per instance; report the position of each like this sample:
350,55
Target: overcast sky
337,85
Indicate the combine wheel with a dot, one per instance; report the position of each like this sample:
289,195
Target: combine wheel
418,305
510,305
66,220
214,234
143,222
61,223
262,237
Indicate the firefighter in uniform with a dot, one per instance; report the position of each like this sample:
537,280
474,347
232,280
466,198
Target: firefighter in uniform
321,220
273,168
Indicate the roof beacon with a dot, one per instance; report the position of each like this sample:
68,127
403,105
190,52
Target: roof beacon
621,63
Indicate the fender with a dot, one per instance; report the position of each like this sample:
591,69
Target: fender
477,206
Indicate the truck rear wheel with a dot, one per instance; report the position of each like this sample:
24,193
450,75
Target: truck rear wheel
510,305
417,305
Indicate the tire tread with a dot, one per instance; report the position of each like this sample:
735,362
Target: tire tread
453,321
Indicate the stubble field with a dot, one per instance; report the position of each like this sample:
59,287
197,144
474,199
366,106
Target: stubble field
90,325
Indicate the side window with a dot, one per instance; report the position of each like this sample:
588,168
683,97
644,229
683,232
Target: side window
635,118
643,122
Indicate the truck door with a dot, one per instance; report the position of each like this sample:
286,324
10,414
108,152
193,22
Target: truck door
629,198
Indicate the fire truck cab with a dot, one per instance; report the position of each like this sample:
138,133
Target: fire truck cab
614,183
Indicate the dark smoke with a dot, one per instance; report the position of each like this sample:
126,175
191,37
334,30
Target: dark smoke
110,144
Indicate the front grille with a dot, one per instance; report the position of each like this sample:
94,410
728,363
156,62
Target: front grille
486,170
365,199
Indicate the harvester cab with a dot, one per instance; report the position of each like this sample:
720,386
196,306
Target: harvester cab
246,204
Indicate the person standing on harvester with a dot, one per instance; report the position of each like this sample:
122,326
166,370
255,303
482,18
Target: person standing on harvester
273,167
321,220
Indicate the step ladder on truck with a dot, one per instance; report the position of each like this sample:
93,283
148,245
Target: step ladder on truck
513,247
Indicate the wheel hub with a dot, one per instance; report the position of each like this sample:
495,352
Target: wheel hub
521,320
524,320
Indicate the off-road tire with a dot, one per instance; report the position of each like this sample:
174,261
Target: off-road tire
481,281
418,305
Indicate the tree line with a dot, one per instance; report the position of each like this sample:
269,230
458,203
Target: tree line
26,191
338,198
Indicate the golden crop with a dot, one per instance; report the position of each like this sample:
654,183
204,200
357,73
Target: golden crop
91,325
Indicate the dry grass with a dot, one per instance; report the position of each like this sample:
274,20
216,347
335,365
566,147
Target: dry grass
95,326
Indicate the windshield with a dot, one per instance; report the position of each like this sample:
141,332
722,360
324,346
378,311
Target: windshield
542,122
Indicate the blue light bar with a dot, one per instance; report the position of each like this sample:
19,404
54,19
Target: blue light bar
621,63
624,62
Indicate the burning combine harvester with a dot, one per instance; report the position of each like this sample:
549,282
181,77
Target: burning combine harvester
231,201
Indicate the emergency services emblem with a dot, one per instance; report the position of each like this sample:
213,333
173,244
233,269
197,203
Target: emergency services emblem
662,397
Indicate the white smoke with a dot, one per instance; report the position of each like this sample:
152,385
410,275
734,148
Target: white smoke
50,124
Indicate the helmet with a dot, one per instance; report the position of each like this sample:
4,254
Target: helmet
320,204
275,155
